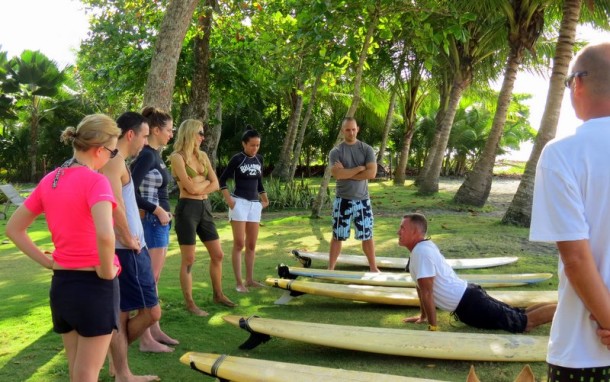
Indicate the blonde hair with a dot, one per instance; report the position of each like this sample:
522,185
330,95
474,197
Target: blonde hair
186,139
95,130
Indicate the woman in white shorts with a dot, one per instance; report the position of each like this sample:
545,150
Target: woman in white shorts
246,203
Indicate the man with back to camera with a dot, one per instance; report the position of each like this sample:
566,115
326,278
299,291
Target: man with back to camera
353,164
439,285
137,284
571,207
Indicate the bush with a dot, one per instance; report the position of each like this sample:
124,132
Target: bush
295,194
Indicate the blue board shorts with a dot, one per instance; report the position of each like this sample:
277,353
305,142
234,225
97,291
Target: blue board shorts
136,280
359,211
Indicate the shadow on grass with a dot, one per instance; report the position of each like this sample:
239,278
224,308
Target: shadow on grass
30,359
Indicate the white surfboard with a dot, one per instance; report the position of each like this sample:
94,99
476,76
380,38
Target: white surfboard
403,342
400,263
405,279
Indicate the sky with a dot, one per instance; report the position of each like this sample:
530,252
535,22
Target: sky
56,27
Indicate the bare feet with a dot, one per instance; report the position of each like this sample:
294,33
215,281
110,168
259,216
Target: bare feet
196,311
137,378
165,339
224,301
241,289
254,284
155,347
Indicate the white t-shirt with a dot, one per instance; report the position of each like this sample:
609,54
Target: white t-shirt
427,261
572,202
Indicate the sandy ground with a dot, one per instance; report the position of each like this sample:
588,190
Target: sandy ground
501,195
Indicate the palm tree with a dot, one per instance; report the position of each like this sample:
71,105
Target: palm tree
32,78
520,210
465,52
525,20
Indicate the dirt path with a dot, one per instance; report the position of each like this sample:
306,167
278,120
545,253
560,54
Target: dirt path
500,197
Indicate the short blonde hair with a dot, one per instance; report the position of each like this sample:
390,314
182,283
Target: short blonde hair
95,130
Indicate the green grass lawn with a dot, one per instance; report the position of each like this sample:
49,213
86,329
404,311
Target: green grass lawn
30,351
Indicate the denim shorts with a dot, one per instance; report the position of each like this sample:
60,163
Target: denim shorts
136,281
83,302
155,234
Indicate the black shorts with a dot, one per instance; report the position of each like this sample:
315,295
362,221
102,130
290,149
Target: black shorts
566,374
478,309
82,301
194,217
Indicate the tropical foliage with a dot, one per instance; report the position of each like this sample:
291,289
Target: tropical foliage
416,75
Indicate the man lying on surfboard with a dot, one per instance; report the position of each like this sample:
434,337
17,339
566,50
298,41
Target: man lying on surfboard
439,285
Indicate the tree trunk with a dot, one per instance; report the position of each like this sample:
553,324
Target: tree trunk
520,210
282,167
323,191
162,74
215,131
301,135
386,128
444,96
200,87
475,189
429,185
33,149
411,104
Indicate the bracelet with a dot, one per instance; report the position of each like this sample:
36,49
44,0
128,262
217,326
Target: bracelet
432,328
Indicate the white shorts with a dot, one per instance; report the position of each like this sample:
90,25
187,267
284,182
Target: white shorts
246,211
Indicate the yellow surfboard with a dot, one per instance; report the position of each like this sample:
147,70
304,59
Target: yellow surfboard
399,262
241,369
403,342
394,295
405,280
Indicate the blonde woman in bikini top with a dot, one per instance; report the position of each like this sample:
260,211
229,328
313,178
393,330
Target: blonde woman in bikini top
196,179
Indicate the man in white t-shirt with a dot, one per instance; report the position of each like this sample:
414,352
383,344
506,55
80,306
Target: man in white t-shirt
571,207
439,286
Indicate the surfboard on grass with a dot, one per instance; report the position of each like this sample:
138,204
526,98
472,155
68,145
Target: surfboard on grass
240,369
393,295
402,342
400,263
405,280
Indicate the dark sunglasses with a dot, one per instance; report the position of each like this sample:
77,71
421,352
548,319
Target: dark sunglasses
113,153
201,133
571,76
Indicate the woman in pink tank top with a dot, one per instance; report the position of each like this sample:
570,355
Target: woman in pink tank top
77,203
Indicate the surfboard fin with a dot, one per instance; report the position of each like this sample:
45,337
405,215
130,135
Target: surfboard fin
287,296
306,261
255,338
284,272
214,370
